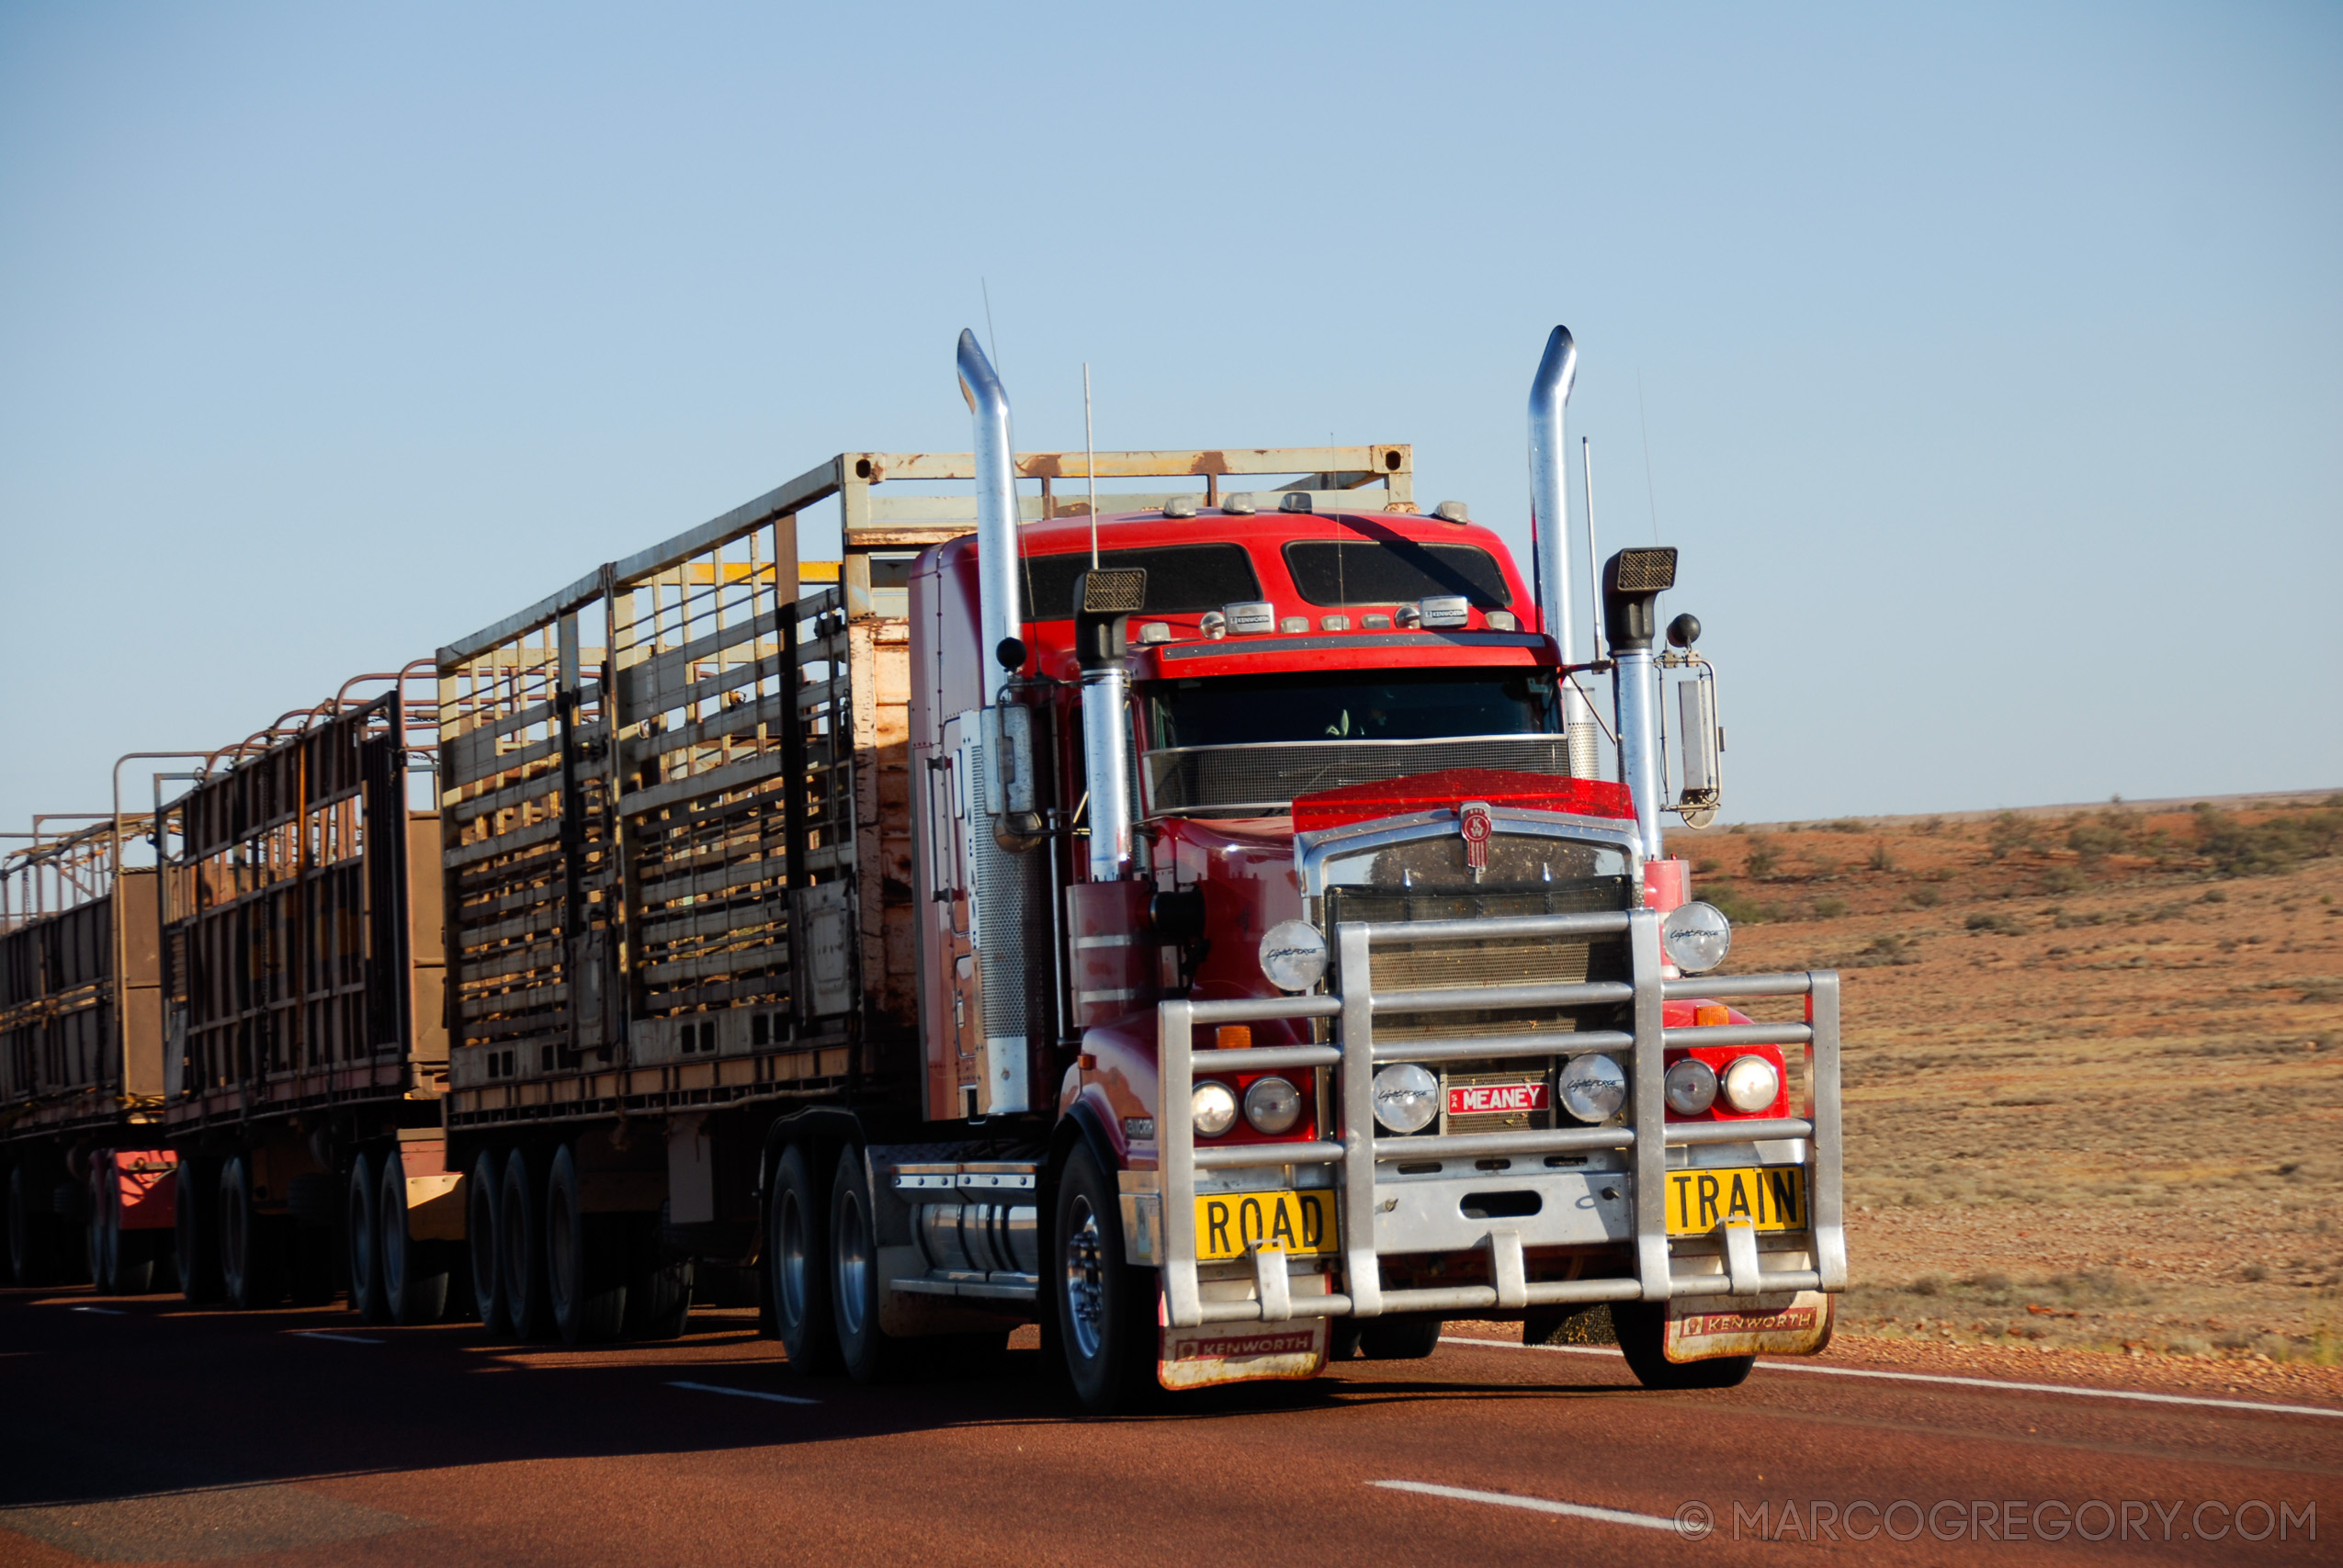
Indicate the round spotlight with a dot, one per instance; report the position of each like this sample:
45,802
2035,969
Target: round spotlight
1752,1084
1406,1098
1697,936
1593,1087
1273,1105
1293,955
1691,1086
1214,1109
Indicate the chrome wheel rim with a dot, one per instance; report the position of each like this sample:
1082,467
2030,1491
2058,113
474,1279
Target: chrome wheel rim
854,1264
1085,1281
789,1256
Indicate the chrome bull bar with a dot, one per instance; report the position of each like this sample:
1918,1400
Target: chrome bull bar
1647,1135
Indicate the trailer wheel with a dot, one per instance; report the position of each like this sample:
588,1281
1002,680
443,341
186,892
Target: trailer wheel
102,1226
251,1250
1400,1338
585,1259
520,1215
798,1263
365,1261
30,1228
415,1273
871,1354
196,1207
1642,1328
1105,1309
659,1288
484,1196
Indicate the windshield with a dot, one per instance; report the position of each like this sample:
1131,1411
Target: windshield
1377,704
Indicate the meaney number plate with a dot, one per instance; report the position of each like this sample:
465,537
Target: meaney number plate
1769,1198
1227,1224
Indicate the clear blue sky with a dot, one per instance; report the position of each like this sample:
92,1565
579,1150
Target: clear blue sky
1986,363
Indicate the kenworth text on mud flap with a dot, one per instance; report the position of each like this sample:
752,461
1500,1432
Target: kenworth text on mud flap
1197,922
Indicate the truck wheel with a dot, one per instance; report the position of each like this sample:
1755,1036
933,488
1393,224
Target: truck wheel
659,1288
520,1213
1642,1327
32,1228
250,1252
871,1354
797,1255
196,1205
135,1255
1105,1309
415,1273
103,1225
585,1259
365,1261
484,1195
1400,1338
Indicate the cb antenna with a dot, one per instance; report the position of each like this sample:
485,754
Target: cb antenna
1090,465
1594,578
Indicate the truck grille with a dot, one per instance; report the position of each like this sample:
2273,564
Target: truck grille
1404,966
1266,778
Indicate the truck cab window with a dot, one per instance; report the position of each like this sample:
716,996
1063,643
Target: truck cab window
1383,705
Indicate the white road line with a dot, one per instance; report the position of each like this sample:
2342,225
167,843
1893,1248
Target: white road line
1536,1505
1939,1377
104,1311
745,1393
343,1339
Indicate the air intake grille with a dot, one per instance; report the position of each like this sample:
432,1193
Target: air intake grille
1266,778
1400,967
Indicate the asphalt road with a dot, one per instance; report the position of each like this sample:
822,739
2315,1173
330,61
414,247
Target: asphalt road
141,1430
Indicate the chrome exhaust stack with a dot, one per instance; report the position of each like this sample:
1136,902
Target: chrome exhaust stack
1009,887
1632,584
1000,621
1104,601
1550,534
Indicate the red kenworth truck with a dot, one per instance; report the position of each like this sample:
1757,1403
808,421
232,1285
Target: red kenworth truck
1196,921
1197,925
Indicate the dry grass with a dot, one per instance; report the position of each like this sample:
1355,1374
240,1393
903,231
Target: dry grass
2093,1094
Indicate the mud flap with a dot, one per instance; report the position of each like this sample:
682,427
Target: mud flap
1798,1325
1242,1352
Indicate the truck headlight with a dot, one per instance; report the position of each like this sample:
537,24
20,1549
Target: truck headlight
1406,1098
1752,1084
1293,955
1214,1109
1273,1105
1691,1086
1593,1087
1696,937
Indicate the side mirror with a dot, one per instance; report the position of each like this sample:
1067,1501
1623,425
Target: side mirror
1701,745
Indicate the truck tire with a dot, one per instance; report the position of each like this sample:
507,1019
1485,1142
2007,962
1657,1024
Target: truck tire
484,1196
659,1288
798,1265
32,1228
363,1232
1105,1308
102,1226
197,1206
252,1250
1642,1328
870,1353
585,1259
1400,1338
415,1273
520,1215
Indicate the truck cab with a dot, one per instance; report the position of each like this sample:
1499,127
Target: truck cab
1260,891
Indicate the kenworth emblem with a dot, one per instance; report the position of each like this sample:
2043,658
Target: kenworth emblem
1473,821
